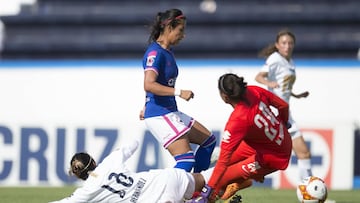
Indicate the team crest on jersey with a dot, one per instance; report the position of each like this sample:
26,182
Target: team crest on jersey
151,58
226,137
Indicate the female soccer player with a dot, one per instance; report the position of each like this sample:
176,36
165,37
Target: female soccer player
279,75
112,181
255,142
172,128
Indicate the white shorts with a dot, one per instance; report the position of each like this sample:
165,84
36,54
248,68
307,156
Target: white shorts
169,127
180,185
294,131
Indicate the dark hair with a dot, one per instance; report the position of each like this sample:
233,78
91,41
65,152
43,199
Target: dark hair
232,85
170,17
271,48
81,164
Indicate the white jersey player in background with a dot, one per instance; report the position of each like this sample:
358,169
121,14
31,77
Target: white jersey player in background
278,74
111,181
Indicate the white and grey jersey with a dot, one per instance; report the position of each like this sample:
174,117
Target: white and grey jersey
111,181
282,71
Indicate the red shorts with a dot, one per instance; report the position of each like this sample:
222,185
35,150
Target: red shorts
246,163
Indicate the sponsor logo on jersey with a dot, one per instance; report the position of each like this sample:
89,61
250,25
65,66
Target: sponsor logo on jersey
151,58
226,136
251,167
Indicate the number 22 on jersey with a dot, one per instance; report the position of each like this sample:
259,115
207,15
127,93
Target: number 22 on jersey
267,121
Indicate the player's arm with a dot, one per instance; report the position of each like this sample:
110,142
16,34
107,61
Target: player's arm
151,85
129,149
233,135
219,169
151,74
262,78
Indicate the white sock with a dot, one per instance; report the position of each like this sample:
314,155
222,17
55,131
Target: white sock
207,174
304,168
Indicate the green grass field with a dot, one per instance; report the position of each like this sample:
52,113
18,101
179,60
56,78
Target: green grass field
250,195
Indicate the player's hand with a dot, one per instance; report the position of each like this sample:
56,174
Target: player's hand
273,84
304,94
141,114
301,95
187,94
204,197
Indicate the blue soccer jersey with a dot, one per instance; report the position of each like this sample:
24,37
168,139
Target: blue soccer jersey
161,61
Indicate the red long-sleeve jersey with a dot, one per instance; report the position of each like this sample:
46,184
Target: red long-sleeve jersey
253,122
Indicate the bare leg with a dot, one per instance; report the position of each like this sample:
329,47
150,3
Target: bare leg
198,133
303,154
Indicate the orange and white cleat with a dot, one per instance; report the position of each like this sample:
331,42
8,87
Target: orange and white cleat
232,188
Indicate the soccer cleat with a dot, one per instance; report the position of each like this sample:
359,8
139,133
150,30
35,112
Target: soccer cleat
231,189
234,199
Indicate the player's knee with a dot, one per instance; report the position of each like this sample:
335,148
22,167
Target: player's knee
209,143
303,155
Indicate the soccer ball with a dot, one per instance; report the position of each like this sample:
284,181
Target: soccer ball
311,190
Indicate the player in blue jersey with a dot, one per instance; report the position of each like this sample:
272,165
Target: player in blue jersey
172,128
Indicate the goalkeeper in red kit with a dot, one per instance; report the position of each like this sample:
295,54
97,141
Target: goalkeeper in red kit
255,142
